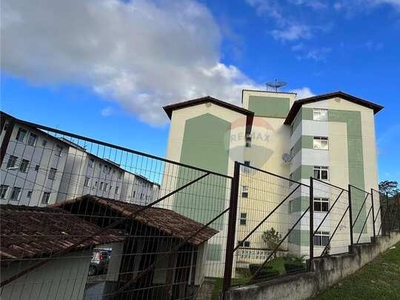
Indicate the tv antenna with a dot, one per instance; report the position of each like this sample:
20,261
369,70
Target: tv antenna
275,85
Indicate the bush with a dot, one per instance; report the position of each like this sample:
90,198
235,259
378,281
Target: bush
265,272
294,264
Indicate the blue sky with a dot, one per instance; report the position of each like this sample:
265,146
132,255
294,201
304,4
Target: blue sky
104,68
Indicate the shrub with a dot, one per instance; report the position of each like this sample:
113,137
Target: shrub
265,272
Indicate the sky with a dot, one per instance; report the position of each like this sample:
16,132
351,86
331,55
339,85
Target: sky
105,68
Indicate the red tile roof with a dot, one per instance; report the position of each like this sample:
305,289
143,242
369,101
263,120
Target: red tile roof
28,232
165,220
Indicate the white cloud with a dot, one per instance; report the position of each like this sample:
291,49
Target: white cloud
142,54
292,33
107,111
353,7
303,93
314,4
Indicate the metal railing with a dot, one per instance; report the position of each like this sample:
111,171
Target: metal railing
172,217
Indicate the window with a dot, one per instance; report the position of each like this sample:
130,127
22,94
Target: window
86,183
105,186
245,192
291,206
116,189
59,150
321,173
15,194
45,198
29,194
321,204
3,191
44,143
246,168
91,163
101,185
37,168
134,194
32,139
320,114
12,161
243,217
21,135
119,174
24,165
52,173
248,140
321,143
245,244
321,238
141,196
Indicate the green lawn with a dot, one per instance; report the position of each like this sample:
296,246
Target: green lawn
380,279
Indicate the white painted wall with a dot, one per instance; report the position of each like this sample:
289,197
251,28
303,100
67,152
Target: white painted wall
61,278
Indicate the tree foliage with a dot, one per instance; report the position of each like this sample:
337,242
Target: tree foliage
389,187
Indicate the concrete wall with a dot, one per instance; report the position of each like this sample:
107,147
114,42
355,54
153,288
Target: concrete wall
326,272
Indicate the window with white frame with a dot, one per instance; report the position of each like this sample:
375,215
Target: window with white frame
321,238
15,194
87,180
243,219
3,191
52,173
59,150
29,194
12,161
321,204
117,189
320,114
37,168
32,139
101,185
91,163
21,135
245,191
246,244
321,173
105,186
320,143
23,167
45,197
44,143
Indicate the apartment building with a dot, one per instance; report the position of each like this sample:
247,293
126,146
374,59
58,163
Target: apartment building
32,164
39,169
330,137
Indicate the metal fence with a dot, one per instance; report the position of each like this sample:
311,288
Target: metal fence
85,219
172,219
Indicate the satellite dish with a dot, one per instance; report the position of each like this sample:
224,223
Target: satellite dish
275,84
286,157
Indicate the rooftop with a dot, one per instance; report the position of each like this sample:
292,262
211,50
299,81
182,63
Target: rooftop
165,220
28,232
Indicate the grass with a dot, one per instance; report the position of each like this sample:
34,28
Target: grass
379,279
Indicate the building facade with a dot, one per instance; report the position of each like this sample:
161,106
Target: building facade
330,137
39,169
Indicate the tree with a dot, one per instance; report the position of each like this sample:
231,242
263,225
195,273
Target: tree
389,187
272,238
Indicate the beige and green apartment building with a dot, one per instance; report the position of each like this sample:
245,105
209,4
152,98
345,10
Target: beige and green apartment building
329,136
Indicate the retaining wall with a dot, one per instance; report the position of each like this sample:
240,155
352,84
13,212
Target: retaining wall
325,272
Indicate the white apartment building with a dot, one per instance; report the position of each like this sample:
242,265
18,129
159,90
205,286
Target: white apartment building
39,169
32,165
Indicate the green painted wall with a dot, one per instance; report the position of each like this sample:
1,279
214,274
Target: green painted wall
300,237
203,146
304,141
355,154
214,252
269,106
299,204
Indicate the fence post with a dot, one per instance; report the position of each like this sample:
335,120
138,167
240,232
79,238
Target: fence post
373,214
230,241
311,221
388,217
351,219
